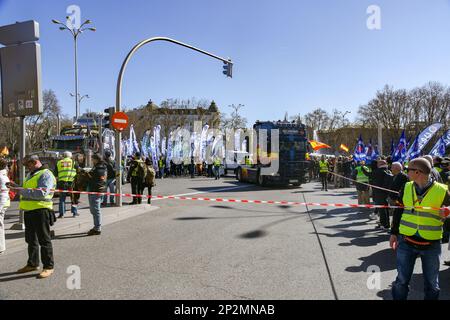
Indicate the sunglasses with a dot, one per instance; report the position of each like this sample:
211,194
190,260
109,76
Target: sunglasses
413,169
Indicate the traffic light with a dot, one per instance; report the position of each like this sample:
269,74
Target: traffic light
107,118
228,68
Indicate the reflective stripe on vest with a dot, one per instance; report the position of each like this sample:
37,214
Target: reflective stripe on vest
426,222
32,183
66,170
135,170
360,176
323,166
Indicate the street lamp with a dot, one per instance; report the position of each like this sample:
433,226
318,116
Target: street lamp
75,32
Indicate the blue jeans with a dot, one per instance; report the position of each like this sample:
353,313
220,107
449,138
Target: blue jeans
62,205
217,172
406,258
94,205
111,185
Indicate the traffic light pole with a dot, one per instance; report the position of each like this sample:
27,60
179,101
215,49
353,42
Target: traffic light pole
118,144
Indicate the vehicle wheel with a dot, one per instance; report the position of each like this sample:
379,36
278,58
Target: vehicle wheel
260,180
239,175
296,184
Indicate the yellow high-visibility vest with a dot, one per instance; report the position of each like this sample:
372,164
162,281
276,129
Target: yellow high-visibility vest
66,170
323,166
31,182
426,222
360,176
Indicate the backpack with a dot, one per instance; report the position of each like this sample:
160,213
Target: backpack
150,177
141,170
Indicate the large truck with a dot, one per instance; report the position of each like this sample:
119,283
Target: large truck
285,166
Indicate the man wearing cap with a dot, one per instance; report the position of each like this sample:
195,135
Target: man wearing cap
66,172
136,175
382,178
38,208
434,172
445,173
417,232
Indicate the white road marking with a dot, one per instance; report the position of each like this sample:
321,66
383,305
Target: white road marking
202,192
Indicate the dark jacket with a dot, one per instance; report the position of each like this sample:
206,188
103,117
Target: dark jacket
382,178
97,177
398,183
111,166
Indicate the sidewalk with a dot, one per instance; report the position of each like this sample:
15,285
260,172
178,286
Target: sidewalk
15,239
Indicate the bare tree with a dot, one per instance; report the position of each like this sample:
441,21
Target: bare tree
235,121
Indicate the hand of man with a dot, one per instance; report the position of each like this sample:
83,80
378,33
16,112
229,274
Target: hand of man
12,185
393,242
444,212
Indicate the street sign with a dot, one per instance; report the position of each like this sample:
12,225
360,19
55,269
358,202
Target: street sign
19,33
20,71
119,121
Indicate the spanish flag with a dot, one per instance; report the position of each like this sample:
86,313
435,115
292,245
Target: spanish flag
343,147
316,145
5,151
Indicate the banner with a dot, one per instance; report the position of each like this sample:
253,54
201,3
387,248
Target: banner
359,154
108,138
415,153
400,152
425,136
445,140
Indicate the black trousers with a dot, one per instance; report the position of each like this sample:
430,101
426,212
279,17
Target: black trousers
137,187
323,178
383,212
149,200
37,233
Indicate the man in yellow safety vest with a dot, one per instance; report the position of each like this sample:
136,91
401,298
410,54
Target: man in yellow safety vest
38,208
65,173
417,229
323,172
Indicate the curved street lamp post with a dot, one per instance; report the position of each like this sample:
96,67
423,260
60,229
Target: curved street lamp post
228,64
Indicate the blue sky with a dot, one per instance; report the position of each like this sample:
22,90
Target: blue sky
290,56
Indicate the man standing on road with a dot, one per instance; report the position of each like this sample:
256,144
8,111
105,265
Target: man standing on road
217,164
323,171
38,208
136,175
382,178
417,232
97,183
66,171
361,176
111,179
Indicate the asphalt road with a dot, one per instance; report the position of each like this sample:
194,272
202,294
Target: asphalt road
215,250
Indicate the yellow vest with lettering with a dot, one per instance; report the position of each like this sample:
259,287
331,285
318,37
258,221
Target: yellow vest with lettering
426,222
32,183
66,170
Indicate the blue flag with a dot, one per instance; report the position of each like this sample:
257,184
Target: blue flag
400,152
359,153
368,152
415,153
446,140
441,148
375,153
425,136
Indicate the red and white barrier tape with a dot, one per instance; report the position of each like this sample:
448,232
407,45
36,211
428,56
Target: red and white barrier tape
366,184
287,203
